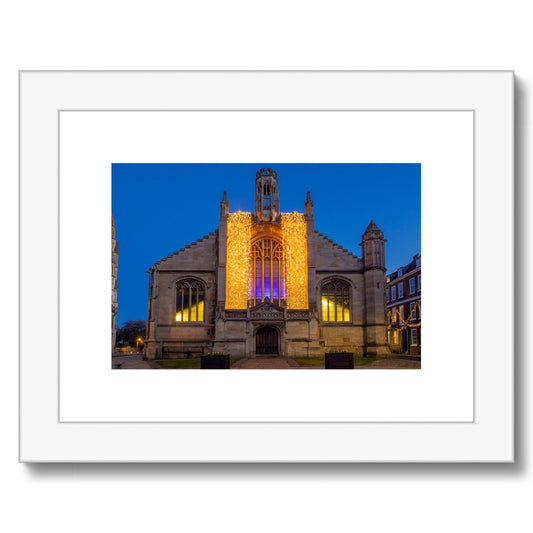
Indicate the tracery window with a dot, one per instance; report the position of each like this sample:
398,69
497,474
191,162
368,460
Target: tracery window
190,301
335,298
268,272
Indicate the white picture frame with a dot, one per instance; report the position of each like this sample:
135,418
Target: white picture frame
484,434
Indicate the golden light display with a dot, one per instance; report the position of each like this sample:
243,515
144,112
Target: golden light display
395,319
294,232
238,263
238,259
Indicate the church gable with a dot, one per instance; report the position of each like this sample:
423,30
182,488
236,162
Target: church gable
267,283
332,255
199,255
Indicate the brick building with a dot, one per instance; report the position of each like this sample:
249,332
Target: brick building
404,295
268,283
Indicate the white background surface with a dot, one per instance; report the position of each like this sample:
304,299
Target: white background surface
43,439
297,35
442,142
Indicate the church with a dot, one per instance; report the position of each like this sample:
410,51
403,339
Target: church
268,283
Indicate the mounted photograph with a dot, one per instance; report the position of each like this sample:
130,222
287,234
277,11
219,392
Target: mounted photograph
266,266
251,242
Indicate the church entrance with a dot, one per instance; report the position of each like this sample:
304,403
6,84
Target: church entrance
266,341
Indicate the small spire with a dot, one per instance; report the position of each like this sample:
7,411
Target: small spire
224,205
308,205
373,243
372,232
372,227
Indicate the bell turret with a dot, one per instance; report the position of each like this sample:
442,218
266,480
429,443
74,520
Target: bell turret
266,195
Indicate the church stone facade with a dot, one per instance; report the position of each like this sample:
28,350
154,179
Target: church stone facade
114,284
268,283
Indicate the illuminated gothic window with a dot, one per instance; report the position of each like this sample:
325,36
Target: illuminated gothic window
190,300
335,297
268,272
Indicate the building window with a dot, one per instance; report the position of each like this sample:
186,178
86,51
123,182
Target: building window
400,272
412,311
335,298
400,290
414,337
393,292
417,262
419,282
411,285
400,316
268,272
388,295
190,301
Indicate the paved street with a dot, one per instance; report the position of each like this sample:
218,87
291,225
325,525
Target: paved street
266,363
135,361
394,362
130,361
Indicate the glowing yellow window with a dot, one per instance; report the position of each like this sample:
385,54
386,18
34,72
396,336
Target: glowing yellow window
190,301
335,298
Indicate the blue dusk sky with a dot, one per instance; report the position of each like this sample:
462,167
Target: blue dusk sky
160,208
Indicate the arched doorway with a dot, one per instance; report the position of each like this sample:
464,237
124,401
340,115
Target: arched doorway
266,341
